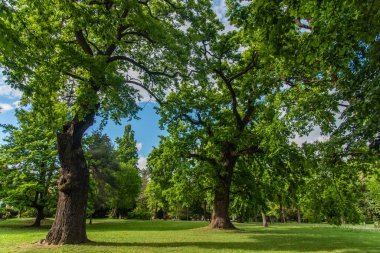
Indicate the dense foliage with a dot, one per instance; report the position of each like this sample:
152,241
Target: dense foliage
233,102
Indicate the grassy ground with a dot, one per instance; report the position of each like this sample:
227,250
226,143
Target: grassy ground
181,236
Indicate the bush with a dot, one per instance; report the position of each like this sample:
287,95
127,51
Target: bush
139,214
6,213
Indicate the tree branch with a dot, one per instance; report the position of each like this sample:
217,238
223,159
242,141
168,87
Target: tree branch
119,34
248,151
141,66
141,34
247,68
151,93
227,81
248,114
74,76
83,43
199,157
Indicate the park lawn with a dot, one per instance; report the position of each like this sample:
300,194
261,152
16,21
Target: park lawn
184,236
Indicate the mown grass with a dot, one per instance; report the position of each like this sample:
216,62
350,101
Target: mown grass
180,236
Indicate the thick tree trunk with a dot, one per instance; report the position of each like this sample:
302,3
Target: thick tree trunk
220,218
69,226
39,217
264,218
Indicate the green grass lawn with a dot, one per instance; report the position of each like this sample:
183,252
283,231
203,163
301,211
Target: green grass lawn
180,236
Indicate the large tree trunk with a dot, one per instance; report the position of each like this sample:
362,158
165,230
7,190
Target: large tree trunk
220,218
69,226
40,216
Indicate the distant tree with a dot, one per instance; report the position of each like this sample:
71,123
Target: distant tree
373,200
102,164
30,164
176,183
336,187
127,178
115,180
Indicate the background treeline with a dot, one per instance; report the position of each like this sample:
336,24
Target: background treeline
313,183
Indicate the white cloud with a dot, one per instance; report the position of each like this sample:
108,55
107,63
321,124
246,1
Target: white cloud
313,136
5,107
7,90
16,104
144,95
141,164
220,8
139,146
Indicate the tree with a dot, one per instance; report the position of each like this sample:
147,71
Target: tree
30,164
128,180
336,186
373,200
229,110
103,165
252,84
82,57
128,185
115,181
176,182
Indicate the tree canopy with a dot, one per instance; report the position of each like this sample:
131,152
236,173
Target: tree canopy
232,100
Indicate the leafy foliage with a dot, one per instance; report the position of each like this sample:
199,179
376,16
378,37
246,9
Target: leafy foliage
29,163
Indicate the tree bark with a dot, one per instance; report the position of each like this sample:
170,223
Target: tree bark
220,216
39,217
299,220
264,218
69,226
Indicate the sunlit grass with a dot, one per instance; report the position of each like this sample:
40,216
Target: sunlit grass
180,236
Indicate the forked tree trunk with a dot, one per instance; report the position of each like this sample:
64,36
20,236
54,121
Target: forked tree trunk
220,218
40,216
69,226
